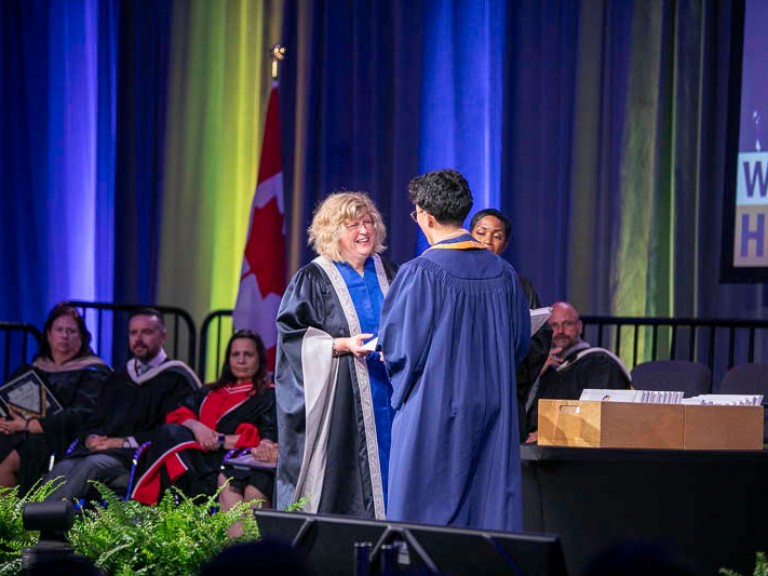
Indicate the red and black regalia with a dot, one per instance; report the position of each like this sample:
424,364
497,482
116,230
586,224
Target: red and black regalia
175,457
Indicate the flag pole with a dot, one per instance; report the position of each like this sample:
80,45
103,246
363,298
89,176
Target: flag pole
262,280
278,54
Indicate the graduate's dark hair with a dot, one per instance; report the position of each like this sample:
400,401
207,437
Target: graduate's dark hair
261,378
503,218
59,310
444,194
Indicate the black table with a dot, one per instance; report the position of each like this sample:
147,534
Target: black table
712,506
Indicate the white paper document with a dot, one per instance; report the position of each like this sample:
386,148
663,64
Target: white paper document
726,399
538,317
371,344
609,395
634,396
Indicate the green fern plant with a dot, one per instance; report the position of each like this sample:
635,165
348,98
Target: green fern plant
299,505
761,567
173,538
13,537
126,538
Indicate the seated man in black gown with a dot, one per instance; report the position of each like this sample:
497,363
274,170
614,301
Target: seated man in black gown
133,404
572,365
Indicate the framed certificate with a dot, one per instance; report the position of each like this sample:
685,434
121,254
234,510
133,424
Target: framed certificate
28,395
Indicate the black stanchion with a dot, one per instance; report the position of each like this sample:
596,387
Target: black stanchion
53,520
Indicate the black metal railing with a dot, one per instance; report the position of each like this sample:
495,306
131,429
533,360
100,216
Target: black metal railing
19,342
215,331
717,343
109,327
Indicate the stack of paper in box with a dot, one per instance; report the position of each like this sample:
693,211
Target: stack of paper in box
726,400
634,396
666,397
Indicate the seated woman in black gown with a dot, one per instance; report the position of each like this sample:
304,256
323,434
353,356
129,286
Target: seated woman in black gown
236,411
68,367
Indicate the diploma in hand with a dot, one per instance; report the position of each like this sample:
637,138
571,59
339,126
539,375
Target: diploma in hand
371,344
28,395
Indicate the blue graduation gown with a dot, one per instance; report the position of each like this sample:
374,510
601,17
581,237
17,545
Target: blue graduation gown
453,327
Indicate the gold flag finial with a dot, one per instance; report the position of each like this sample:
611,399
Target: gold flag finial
277,53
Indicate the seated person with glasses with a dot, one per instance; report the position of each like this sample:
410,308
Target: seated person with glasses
572,365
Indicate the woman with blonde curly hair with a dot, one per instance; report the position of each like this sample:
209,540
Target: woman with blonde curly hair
333,395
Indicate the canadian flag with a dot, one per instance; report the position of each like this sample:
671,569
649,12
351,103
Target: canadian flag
262,281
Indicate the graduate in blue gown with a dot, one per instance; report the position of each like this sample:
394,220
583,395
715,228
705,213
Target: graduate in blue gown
333,396
454,325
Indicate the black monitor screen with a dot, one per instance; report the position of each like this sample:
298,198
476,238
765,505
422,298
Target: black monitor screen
329,544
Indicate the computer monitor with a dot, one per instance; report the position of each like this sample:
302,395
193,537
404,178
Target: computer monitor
331,545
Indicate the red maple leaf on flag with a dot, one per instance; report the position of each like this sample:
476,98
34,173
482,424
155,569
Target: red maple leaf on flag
265,249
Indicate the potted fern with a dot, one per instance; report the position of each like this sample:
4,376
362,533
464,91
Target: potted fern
126,538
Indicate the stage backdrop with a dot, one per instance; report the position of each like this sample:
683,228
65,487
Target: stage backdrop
131,131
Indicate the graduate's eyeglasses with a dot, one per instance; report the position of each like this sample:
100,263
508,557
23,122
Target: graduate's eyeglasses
368,224
415,215
564,324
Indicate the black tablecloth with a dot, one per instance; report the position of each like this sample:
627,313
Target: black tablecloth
712,506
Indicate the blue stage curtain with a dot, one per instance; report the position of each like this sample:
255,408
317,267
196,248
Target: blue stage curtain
58,149
540,91
375,94
83,93
598,126
142,76
350,110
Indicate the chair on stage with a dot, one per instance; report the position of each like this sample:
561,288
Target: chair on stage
747,379
691,378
